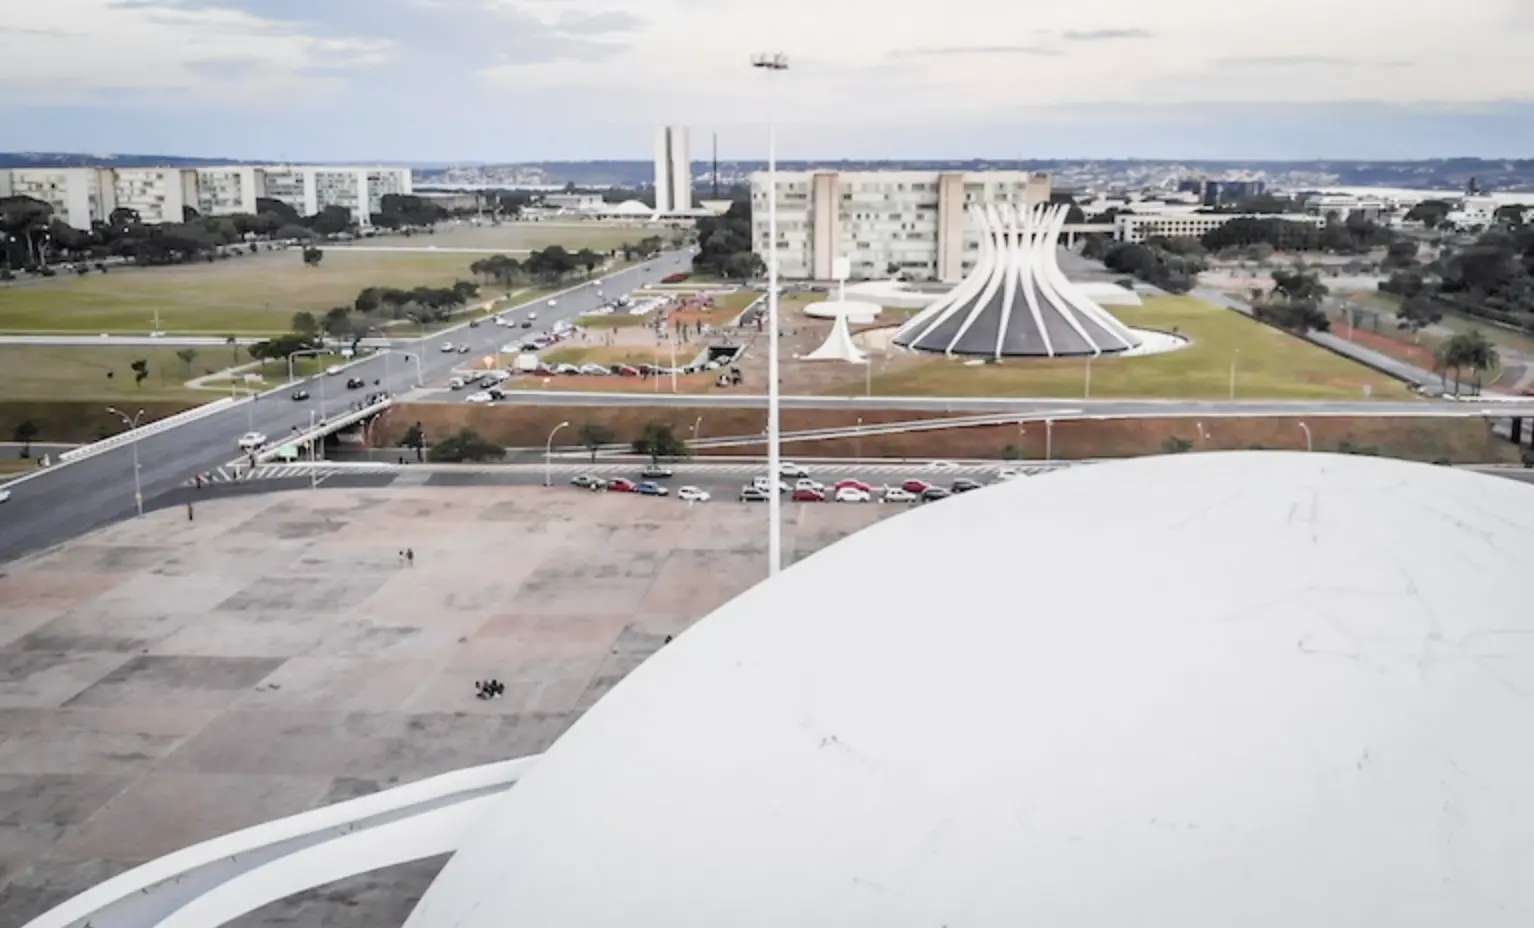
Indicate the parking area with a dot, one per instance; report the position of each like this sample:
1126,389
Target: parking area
178,676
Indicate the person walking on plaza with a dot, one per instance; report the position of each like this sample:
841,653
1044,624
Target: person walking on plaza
410,557
189,512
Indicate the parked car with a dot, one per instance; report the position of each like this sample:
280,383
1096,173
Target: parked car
651,488
765,484
456,384
1009,473
620,485
964,485
587,482
250,441
854,484
753,494
298,396
807,495
933,494
480,397
852,495
899,495
943,465
805,483
692,495
656,472
790,469
918,487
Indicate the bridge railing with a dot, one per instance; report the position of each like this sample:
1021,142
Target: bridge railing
149,428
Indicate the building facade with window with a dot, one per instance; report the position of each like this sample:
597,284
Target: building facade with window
911,223
1139,227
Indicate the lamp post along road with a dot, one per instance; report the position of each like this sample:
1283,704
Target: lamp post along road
1309,445
772,64
548,456
138,489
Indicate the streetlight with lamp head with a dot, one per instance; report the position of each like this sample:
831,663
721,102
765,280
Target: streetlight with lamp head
548,456
132,423
773,64
1309,444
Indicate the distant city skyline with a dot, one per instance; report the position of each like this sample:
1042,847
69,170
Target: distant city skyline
531,80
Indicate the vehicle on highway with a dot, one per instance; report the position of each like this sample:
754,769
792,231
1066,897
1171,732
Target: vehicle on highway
852,495
692,495
473,323
751,494
480,397
916,486
899,495
621,485
4,495
964,485
332,370
808,495
456,383
463,349
588,482
651,488
933,494
790,469
298,396
355,383
527,323
656,472
943,465
447,347
854,484
250,441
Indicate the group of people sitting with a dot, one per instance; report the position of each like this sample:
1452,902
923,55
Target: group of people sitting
489,689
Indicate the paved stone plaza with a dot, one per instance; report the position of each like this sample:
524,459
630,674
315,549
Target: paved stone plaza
164,681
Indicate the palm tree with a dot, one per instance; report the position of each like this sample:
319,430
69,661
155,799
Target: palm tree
1480,355
1446,357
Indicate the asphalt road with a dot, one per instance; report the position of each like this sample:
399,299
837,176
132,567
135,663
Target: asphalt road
1025,408
51,506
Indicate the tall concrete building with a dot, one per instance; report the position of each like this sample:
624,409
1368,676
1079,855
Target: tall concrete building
82,196
673,170
913,221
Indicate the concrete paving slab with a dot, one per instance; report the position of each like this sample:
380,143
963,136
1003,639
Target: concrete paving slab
163,681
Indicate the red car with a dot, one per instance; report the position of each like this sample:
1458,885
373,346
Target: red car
855,484
807,495
676,278
620,485
916,486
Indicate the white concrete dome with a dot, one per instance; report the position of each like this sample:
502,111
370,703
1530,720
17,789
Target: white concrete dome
1205,690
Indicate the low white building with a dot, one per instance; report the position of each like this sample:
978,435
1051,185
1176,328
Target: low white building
1137,228
913,221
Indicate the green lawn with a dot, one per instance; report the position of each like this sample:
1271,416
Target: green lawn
49,373
250,295
526,236
615,321
1269,365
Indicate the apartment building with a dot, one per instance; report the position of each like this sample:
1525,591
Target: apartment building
1138,228
82,196
912,220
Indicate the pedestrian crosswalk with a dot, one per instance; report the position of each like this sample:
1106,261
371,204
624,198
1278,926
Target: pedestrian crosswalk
563,470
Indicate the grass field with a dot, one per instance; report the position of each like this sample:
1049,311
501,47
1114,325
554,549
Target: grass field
615,321
258,294
48,373
1269,365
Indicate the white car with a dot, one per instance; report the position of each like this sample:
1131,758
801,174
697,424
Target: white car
790,469
332,370
692,495
447,347
250,441
6,494
480,397
943,465
805,483
1009,473
852,495
899,495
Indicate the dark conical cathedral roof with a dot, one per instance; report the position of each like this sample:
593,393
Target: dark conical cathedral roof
1016,302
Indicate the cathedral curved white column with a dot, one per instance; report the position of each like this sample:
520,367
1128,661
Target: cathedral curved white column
1016,302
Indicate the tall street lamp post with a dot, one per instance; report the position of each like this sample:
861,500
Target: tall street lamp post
773,64
132,423
548,456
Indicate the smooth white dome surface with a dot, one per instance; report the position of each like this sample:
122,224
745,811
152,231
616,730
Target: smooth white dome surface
1240,690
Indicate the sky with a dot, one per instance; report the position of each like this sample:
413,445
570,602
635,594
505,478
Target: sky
524,80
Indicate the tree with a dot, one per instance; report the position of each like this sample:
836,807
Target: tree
1401,253
313,256
1298,316
594,436
187,356
1419,311
659,440
140,370
467,445
1468,349
25,432
1302,286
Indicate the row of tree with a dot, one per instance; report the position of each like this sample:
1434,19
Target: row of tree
725,247
657,440
1163,263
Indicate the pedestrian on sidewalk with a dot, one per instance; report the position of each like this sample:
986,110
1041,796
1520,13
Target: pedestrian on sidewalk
189,512
410,557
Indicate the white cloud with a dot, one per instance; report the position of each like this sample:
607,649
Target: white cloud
74,51
860,61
